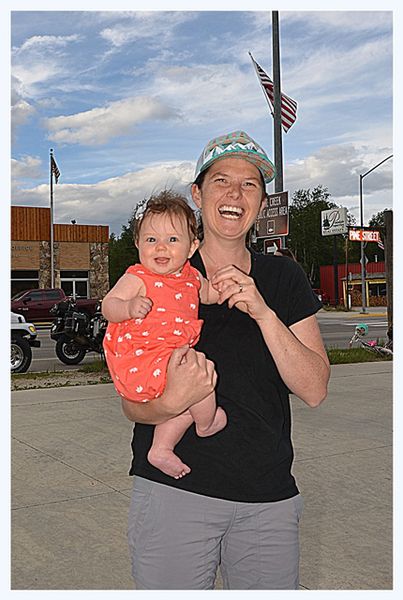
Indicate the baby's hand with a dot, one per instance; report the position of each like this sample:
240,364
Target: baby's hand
139,307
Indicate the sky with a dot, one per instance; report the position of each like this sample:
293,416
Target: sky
128,99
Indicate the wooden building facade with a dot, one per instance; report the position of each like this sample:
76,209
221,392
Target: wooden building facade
80,254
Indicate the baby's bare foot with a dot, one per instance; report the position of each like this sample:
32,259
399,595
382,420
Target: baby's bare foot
167,462
220,421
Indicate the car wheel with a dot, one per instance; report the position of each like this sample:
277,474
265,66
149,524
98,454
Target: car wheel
21,355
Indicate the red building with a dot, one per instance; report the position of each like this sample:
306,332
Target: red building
349,281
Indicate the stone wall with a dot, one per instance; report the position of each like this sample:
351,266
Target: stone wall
99,269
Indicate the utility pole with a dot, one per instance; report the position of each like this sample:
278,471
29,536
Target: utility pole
389,264
278,146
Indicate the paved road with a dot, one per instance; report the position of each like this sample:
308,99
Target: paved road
71,491
336,329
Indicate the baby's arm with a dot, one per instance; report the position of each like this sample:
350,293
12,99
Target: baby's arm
208,295
126,300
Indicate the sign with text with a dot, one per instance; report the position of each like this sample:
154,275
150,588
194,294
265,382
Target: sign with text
334,221
362,234
273,218
271,245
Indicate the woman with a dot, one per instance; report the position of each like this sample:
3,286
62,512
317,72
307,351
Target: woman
239,507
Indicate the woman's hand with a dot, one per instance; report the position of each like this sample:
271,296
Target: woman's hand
240,291
190,378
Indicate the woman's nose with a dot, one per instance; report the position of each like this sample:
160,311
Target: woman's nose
234,190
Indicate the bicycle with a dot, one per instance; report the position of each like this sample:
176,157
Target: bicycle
361,330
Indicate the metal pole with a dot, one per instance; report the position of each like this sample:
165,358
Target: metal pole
363,275
52,266
278,146
389,264
363,266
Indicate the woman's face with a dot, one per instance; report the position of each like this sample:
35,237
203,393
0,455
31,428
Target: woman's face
230,198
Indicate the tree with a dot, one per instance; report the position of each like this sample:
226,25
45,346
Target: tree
122,252
305,239
378,222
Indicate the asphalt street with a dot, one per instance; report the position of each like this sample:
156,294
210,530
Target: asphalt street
336,328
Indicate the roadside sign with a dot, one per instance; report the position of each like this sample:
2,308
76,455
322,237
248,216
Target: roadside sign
271,245
334,221
273,218
363,234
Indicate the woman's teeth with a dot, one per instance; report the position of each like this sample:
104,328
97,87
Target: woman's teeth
231,212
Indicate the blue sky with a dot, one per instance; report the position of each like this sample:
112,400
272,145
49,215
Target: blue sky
127,100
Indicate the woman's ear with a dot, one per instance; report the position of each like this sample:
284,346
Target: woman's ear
196,195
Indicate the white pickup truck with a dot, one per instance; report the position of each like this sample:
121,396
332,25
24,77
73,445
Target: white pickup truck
23,338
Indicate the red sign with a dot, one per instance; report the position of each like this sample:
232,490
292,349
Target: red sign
271,245
360,234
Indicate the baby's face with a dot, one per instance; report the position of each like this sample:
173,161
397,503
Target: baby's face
165,244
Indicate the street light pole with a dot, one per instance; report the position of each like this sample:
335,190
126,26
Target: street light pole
363,266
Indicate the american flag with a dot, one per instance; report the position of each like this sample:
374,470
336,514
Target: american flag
55,169
288,105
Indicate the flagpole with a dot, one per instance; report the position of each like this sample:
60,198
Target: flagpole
278,146
52,267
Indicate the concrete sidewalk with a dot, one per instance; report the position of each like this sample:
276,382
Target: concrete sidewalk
70,489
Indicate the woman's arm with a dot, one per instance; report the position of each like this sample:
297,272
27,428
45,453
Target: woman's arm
126,300
297,350
190,378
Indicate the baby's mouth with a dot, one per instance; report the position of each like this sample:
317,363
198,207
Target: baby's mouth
231,212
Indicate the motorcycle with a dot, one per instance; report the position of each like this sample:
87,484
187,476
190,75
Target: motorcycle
76,332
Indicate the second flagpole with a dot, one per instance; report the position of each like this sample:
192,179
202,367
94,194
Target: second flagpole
278,142
52,266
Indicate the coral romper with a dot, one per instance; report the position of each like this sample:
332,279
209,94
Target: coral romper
137,351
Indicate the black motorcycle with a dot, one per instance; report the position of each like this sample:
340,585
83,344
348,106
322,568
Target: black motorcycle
76,332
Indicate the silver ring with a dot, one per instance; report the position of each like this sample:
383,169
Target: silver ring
240,288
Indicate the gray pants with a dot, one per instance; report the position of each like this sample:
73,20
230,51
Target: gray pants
178,539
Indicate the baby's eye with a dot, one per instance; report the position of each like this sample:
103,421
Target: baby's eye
150,239
173,238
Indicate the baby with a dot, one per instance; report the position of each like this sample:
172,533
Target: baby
153,309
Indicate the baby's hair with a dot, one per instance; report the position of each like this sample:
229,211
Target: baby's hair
170,203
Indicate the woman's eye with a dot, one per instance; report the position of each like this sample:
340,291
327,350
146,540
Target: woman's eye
221,179
250,184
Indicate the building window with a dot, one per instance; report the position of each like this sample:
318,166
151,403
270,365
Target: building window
23,280
75,283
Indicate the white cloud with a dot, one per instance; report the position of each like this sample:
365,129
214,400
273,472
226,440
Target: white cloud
338,168
45,42
109,202
99,125
21,111
27,166
155,26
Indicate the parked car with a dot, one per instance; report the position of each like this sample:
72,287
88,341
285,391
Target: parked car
35,304
23,338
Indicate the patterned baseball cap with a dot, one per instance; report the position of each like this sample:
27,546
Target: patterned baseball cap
238,144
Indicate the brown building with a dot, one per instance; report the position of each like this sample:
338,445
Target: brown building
80,254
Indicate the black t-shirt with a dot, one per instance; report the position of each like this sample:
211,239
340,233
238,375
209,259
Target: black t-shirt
250,459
